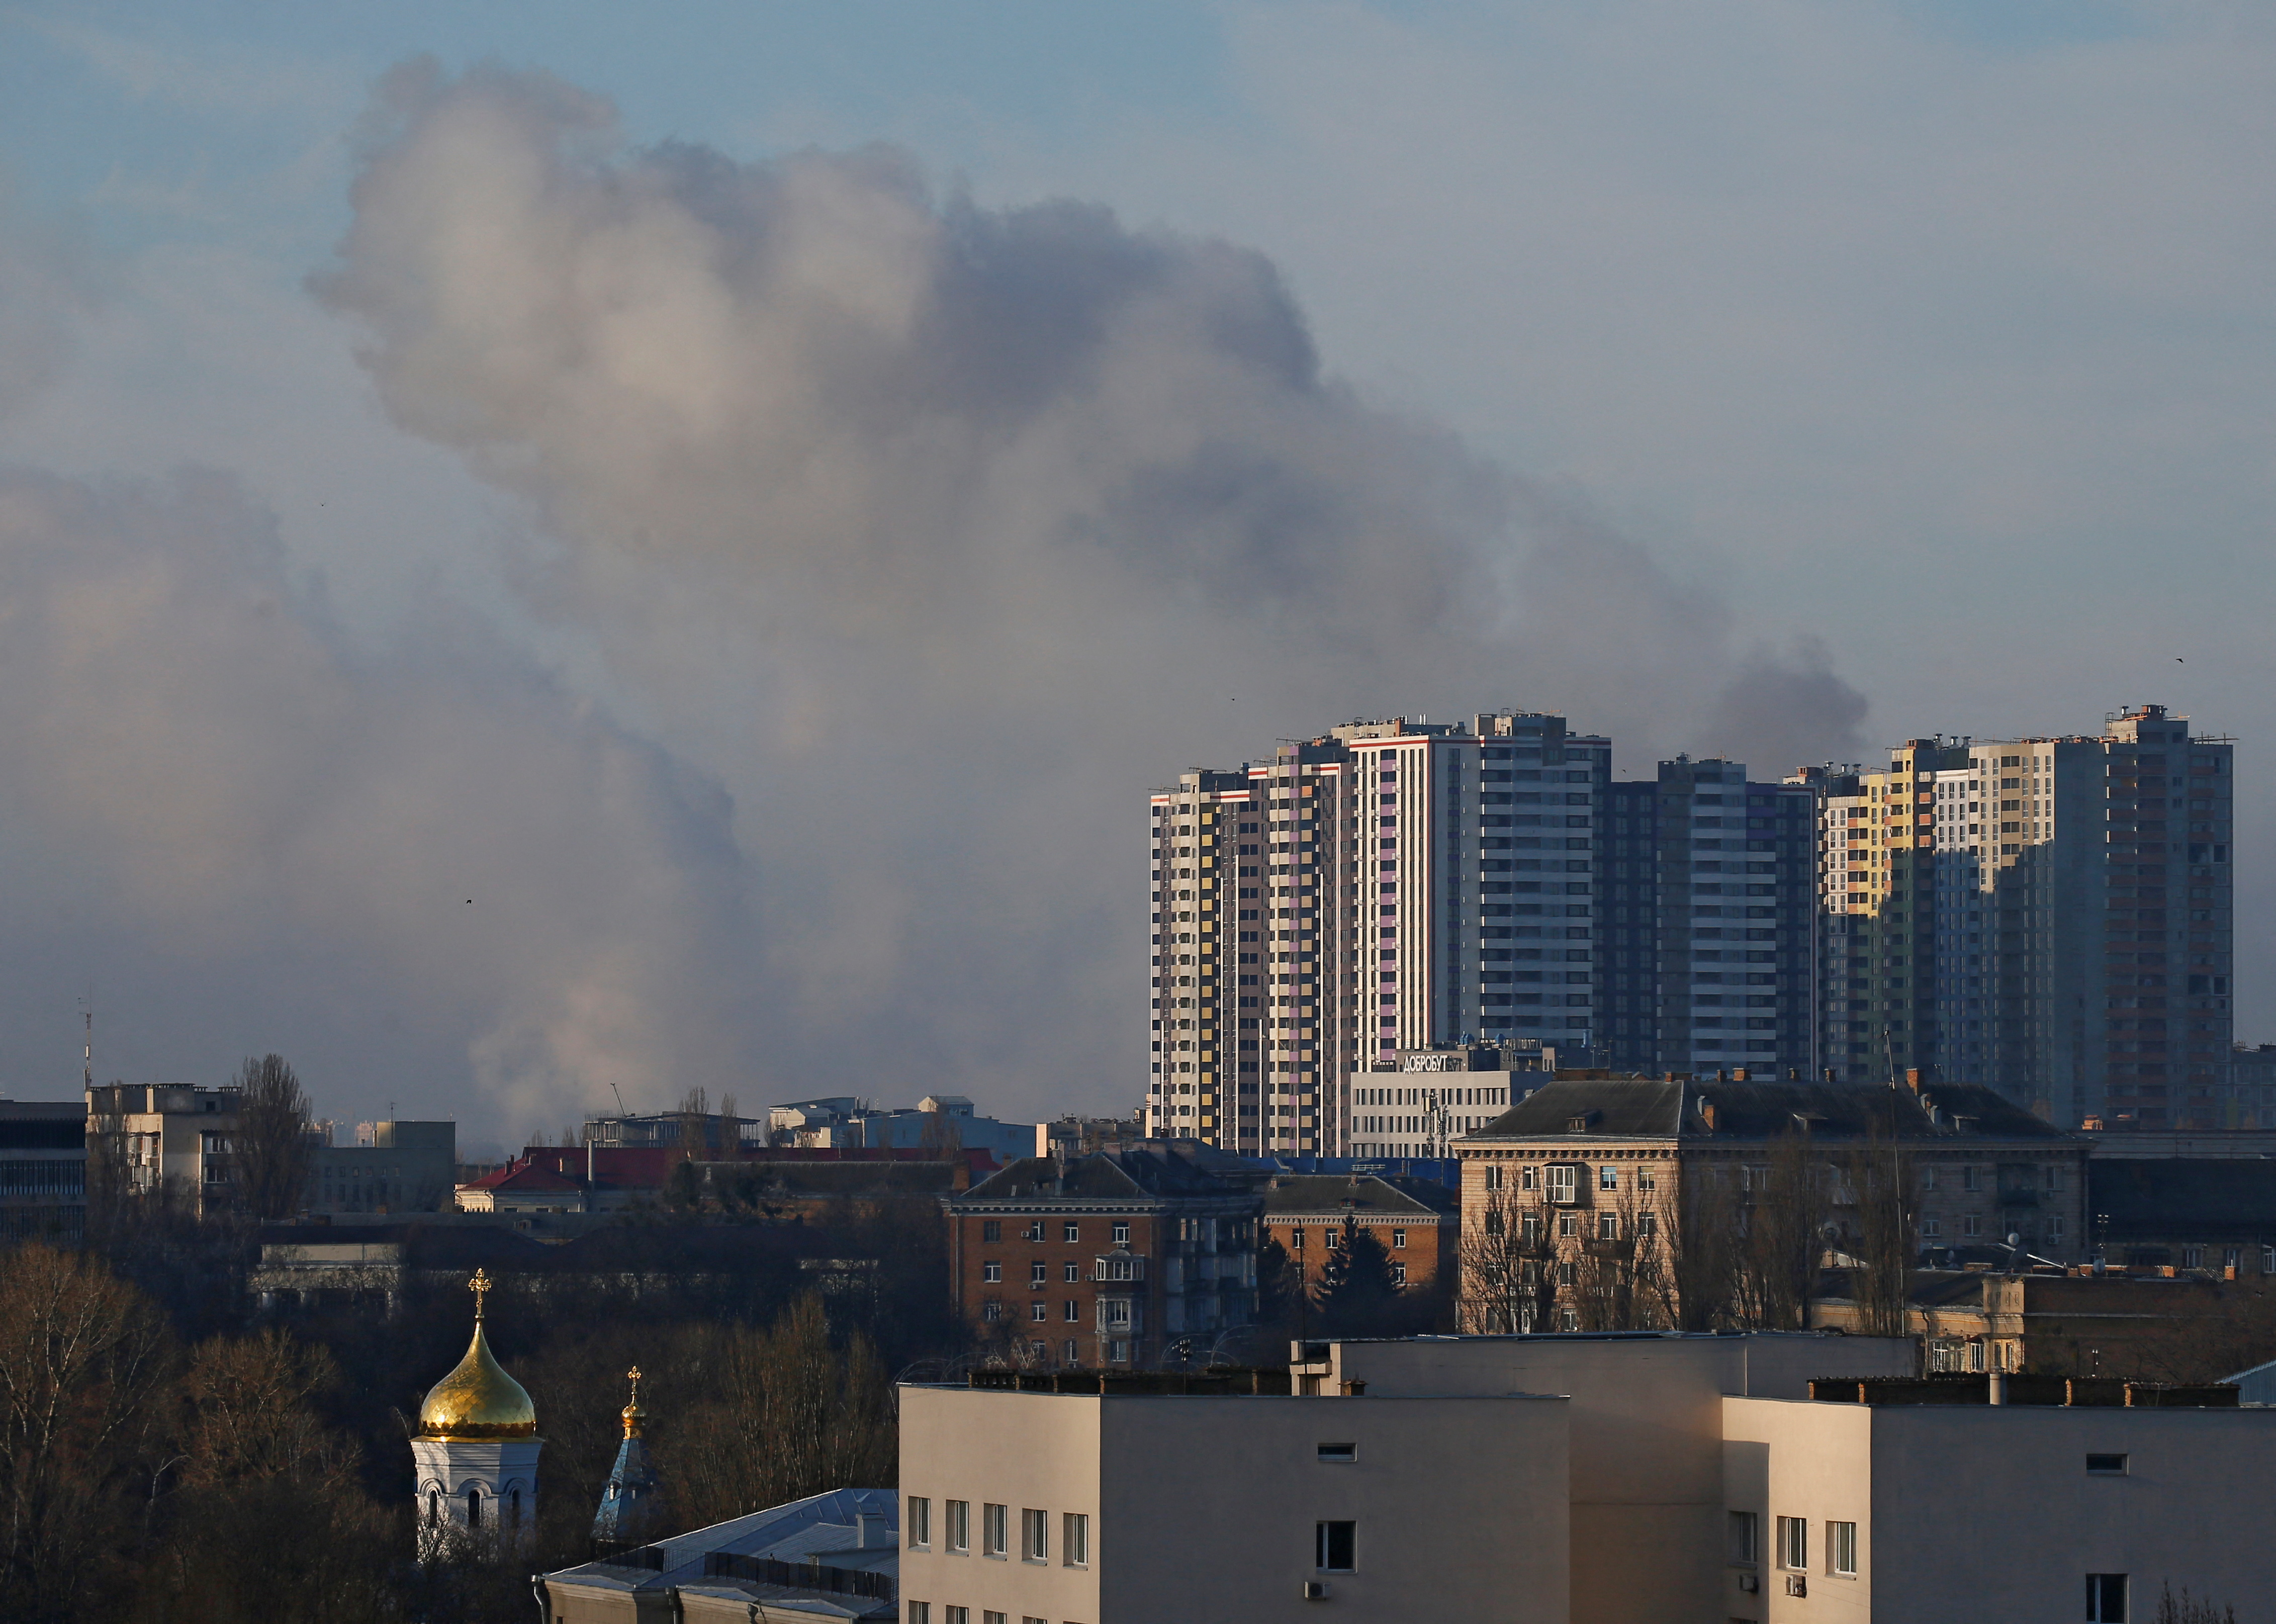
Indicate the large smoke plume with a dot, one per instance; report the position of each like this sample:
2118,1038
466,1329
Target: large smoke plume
914,539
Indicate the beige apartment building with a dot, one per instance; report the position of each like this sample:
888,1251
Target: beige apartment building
1593,1174
1124,1505
2051,917
170,1140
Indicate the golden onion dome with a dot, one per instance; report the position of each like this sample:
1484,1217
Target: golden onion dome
478,1399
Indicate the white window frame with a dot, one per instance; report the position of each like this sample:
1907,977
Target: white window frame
916,1517
1074,1539
957,1533
1793,1544
995,1529
1841,1549
1034,1535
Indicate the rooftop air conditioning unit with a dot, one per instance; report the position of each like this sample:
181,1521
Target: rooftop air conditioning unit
1796,1585
1315,1590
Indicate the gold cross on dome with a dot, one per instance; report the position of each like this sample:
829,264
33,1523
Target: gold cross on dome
635,1374
480,1286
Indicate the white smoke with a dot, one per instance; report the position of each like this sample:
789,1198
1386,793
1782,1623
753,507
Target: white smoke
234,831
940,532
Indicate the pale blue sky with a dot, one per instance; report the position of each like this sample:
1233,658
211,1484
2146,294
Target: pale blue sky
1943,333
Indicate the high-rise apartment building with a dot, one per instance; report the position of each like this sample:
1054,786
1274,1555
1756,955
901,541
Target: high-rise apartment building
2050,917
1388,885
1707,939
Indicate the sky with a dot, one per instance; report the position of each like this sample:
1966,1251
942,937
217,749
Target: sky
556,552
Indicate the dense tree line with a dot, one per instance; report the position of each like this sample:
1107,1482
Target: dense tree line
169,1453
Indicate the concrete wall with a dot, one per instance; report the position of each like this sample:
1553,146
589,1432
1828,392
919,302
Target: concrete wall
1993,1504
1647,1440
1205,1508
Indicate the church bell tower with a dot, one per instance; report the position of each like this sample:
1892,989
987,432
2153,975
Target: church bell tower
476,1456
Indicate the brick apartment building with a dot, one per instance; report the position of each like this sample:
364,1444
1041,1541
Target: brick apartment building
1121,1257
1418,1222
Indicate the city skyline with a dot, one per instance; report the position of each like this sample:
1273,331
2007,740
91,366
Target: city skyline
544,558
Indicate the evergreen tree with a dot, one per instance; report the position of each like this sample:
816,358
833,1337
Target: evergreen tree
1356,1295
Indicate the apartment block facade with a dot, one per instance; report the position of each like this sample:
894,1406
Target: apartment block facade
1110,1258
1708,938
1389,885
2051,917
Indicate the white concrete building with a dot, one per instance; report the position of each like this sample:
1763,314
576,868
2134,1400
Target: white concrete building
1847,1513
1646,1417
1129,1507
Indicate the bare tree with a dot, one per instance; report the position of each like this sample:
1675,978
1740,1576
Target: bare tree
80,1355
1619,1280
272,1149
941,1140
1782,1224
1699,1249
696,1125
1877,1232
1509,1268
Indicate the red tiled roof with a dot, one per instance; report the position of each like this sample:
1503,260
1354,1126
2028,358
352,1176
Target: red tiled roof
517,1178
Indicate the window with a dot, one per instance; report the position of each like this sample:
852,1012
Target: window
2105,1599
1075,1540
956,1615
995,1525
1398,1239
1399,1273
1526,1179
1971,1178
1035,1536
959,1525
1608,1178
1296,1239
991,1270
474,1508
1072,1272
990,1617
1333,1544
917,1513
1122,1234
1071,1231
1569,1225
1608,1226
1039,1311
1493,1178
1645,1180
991,1229
1340,1452
2106,1466
1563,1184
1841,1548
1794,1544
1928,1177
1742,1534
1034,1230
992,1311
920,1612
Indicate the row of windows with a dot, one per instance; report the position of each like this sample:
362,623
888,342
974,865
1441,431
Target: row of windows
992,1229
1840,1551
995,1528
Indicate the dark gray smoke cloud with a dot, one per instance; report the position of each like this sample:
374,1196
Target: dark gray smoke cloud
939,532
